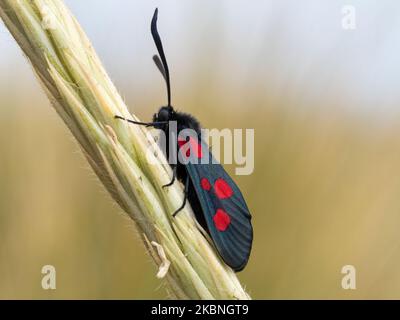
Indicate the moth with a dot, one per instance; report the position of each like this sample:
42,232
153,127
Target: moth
216,200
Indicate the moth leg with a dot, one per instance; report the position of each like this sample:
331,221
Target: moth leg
147,124
185,196
174,168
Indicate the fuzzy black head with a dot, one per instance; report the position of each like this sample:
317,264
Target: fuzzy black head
165,114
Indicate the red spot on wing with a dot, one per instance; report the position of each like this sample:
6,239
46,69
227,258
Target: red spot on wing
181,143
222,189
221,220
205,184
193,145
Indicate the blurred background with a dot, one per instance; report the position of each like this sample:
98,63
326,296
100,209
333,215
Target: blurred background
324,103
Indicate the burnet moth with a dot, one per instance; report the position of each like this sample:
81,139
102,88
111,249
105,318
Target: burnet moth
216,200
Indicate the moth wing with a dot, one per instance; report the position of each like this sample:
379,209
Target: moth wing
226,213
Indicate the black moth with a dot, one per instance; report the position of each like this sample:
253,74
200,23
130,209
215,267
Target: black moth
215,199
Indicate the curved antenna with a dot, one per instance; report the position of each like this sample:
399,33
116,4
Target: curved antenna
164,66
160,66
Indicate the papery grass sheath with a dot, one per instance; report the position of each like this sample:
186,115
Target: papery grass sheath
87,101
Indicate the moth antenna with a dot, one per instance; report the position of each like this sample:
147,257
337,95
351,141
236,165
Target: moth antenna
160,66
157,40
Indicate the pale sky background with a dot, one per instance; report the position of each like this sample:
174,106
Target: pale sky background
283,44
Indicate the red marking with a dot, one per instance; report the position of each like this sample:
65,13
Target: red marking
181,143
205,184
193,145
222,220
222,189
